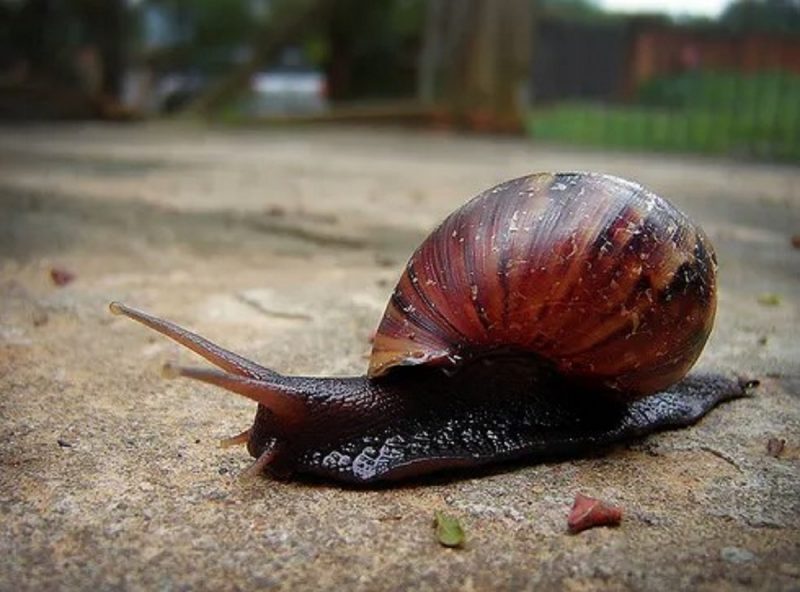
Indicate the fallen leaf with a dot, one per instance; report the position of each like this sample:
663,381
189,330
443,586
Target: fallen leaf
60,276
448,530
588,512
769,299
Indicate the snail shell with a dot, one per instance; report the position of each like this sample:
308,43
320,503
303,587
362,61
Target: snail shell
606,280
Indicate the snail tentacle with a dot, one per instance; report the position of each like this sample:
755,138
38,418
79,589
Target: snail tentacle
225,359
240,439
257,467
283,401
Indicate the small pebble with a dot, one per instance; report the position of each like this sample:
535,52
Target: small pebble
775,447
789,569
40,318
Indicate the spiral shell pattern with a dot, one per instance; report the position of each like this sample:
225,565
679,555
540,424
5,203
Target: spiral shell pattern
607,281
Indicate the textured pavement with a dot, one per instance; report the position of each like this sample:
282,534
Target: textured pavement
284,245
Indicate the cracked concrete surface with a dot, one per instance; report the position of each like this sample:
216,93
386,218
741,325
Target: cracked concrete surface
284,245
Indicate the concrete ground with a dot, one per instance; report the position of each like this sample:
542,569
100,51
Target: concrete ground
284,245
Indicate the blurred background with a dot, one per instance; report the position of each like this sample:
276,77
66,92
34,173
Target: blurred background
710,76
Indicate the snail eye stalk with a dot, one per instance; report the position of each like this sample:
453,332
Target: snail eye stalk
227,360
287,405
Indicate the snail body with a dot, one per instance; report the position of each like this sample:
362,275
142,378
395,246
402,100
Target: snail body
548,315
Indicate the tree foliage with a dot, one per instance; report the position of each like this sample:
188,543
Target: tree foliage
572,9
371,47
763,15
203,34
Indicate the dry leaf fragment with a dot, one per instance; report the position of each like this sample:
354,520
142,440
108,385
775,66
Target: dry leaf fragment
60,276
588,512
769,299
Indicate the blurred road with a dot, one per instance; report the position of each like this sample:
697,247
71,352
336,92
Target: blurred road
284,245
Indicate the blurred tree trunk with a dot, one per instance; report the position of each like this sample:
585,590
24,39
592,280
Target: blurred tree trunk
28,33
105,25
431,53
113,47
476,61
71,55
287,21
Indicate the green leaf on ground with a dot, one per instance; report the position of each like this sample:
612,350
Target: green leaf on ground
448,530
769,299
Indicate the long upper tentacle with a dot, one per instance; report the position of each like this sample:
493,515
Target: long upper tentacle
287,405
227,360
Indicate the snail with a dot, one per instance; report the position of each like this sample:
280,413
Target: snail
548,315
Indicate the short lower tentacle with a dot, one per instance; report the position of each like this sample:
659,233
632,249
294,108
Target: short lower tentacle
256,468
239,439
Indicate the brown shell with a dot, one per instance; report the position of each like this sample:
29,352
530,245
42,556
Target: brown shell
606,280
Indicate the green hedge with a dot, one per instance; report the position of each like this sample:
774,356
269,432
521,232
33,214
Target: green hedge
713,113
